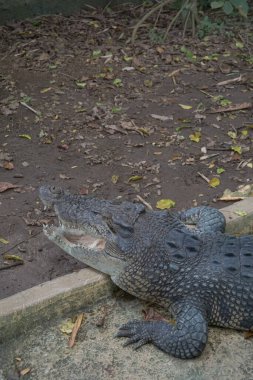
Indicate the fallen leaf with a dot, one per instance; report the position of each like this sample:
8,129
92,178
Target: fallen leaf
160,117
196,136
13,258
240,213
44,90
25,136
115,179
163,204
3,241
248,334
148,83
237,149
8,165
220,170
135,178
67,326
185,107
75,330
117,82
232,134
214,182
25,371
151,314
63,176
80,84
6,186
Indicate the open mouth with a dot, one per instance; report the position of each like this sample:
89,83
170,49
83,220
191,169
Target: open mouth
75,237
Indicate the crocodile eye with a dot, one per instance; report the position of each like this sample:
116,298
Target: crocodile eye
55,190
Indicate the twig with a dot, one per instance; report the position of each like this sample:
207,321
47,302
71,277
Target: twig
76,327
12,265
148,205
233,107
238,79
203,177
30,108
21,242
173,21
147,15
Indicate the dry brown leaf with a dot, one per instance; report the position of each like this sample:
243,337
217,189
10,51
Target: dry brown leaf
6,186
25,371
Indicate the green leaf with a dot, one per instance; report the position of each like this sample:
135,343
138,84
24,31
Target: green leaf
25,136
116,109
80,84
220,170
96,53
3,241
13,258
134,178
165,203
240,213
117,82
217,4
228,8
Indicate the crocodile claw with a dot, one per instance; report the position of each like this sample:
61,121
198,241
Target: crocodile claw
137,333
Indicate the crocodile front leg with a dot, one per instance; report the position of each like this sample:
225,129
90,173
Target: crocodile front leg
186,339
206,219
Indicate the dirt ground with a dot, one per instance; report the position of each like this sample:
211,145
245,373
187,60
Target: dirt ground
82,108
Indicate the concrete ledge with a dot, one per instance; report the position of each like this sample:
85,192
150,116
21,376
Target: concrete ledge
20,312
236,224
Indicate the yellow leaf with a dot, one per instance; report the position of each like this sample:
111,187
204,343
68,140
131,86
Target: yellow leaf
237,149
165,203
240,213
24,136
245,132
134,178
115,179
250,165
67,326
196,136
148,83
185,107
232,134
214,182
3,241
44,90
13,257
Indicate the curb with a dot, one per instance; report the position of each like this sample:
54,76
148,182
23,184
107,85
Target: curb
21,311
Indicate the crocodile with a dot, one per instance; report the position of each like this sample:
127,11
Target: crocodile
202,276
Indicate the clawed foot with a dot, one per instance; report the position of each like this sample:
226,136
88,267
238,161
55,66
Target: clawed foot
137,332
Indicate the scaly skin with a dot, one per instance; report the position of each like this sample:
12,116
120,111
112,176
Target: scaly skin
202,278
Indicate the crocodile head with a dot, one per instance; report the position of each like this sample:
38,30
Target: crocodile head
105,235
140,249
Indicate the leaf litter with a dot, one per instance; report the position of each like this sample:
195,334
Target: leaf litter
99,115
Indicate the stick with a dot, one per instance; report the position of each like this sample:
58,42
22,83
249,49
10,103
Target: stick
148,205
76,327
30,108
204,177
238,79
234,107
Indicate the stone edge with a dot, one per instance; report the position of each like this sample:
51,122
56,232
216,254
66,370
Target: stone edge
21,311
